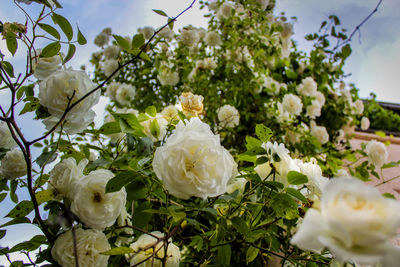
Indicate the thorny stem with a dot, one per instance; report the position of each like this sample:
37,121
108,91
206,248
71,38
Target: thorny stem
387,181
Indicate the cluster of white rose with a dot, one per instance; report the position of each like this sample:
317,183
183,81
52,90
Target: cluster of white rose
121,92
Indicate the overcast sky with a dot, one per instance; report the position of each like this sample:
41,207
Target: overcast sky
374,63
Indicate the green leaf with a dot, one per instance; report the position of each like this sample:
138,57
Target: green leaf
81,38
252,142
390,165
155,128
30,245
118,251
44,196
296,194
2,233
346,51
136,190
380,134
22,209
50,29
70,54
18,220
137,40
119,181
263,133
11,41
110,128
251,254
122,42
8,68
241,226
2,196
388,195
144,56
160,12
171,23
45,158
151,110
51,50
64,25
297,178
224,255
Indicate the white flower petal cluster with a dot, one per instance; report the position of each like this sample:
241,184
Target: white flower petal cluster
66,175
141,246
358,107
13,164
90,243
189,37
6,139
125,94
55,92
263,3
162,124
167,76
192,105
92,205
273,87
236,184
377,153
43,67
109,66
355,222
314,110
102,38
228,116
192,162
292,104
170,113
320,97
364,123
225,11
213,39
308,87
147,32
320,133
166,33
111,52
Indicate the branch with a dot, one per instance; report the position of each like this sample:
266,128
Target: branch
357,28
68,109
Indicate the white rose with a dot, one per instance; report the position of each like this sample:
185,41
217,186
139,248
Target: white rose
101,39
308,87
236,184
316,182
377,153
225,11
141,247
192,162
283,115
354,222
65,175
166,33
92,205
58,88
320,97
13,164
89,243
43,67
358,107
189,37
125,94
192,105
228,116
212,39
170,113
112,89
364,123
168,77
111,52
147,32
320,133
263,3
6,139
162,124
109,66
314,110
292,104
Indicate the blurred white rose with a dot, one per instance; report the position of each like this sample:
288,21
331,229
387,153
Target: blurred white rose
167,76
65,175
377,153
228,116
6,139
189,37
141,246
364,123
292,104
89,243
308,87
225,11
170,113
354,222
92,205
314,110
320,133
147,32
13,164
111,52
213,39
55,92
320,97
109,66
125,94
162,124
44,66
101,39
192,105
358,107
236,184
192,162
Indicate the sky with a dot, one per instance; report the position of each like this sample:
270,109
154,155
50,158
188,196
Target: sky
373,64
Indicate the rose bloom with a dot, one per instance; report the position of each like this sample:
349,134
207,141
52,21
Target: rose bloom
167,76
65,175
308,87
147,32
144,251
92,205
6,139
320,133
358,107
166,33
125,94
212,39
162,123
377,153
364,123
101,39
355,222
189,37
109,66
55,91
228,116
44,66
170,113
111,52
192,162
320,98
314,110
236,184
13,164
225,11
112,89
292,104
90,243
192,105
